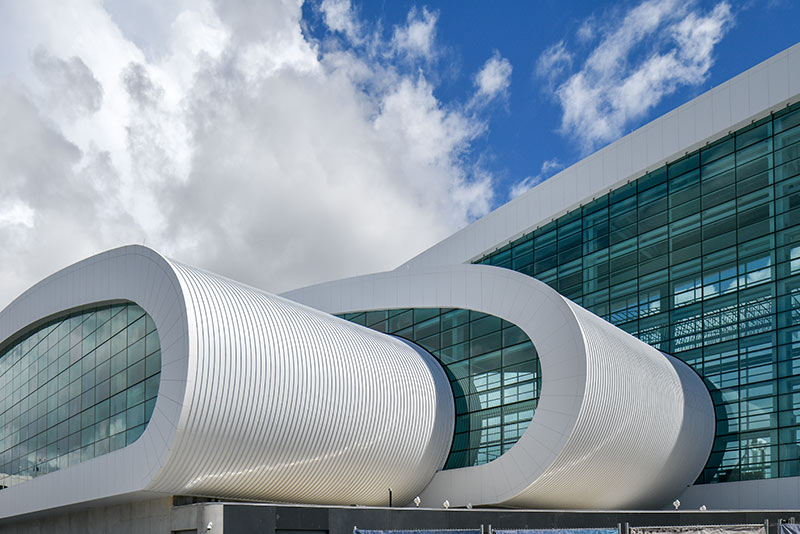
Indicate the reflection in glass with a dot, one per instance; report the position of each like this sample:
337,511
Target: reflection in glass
493,369
78,387
714,281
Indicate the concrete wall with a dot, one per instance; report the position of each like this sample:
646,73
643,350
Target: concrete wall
772,493
129,518
202,518
158,516
270,519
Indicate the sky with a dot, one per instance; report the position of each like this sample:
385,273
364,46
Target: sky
282,143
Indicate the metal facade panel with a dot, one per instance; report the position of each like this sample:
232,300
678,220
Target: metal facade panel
613,413
259,397
131,273
291,404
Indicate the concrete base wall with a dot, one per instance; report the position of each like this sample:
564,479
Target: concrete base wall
159,516
206,518
144,516
776,493
280,519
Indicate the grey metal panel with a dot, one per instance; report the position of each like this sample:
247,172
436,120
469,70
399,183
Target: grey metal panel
755,93
613,414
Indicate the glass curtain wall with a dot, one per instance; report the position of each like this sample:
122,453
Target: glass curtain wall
78,387
493,369
701,259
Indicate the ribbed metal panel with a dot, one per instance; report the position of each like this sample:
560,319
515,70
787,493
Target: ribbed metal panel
286,403
643,432
618,425
259,397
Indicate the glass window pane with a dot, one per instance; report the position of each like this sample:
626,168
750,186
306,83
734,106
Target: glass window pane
65,370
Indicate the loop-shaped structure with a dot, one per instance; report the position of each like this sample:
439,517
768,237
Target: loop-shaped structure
262,397
259,397
619,424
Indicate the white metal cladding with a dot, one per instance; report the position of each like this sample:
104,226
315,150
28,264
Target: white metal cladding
138,275
286,403
767,87
618,424
259,397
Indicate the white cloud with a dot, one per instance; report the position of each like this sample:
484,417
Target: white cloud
339,17
494,77
59,204
529,182
554,61
416,38
233,143
657,47
586,31
16,212
549,167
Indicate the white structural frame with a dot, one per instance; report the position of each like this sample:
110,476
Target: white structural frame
259,397
619,424
752,95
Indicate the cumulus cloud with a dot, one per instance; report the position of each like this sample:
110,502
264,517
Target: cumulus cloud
549,167
494,77
237,144
657,47
52,207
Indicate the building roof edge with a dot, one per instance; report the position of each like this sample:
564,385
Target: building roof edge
759,91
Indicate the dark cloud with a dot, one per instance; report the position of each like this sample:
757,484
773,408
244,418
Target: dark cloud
141,90
69,84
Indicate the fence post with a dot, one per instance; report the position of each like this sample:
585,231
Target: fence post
766,526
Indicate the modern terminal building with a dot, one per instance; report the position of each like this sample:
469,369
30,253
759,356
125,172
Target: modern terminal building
624,334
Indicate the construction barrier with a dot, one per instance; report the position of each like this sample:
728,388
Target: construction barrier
702,529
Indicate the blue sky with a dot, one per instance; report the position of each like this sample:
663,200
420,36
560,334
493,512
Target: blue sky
524,130
283,143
